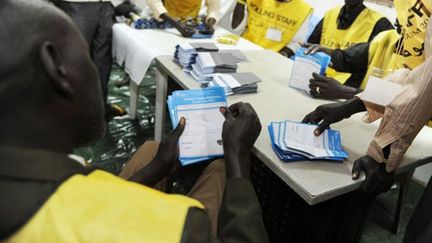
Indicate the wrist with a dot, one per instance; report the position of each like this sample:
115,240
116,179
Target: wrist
237,163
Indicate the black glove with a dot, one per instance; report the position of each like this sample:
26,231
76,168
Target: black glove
125,9
378,180
329,88
331,113
240,131
209,27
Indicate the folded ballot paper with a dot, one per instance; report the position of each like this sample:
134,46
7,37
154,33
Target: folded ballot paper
186,53
293,141
235,83
202,137
305,65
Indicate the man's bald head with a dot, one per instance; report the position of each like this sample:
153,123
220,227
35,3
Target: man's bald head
46,72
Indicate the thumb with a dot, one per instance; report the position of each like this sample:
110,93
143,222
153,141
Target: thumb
322,127
178,131
226,112
356,170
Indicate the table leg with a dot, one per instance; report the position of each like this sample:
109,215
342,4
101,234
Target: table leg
133,102
161,96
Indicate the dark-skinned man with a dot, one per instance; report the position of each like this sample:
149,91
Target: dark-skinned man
343,27
177,12
48,196
94,18
401,121
274,24
383,52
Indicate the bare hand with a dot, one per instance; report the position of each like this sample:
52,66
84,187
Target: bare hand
240,131
314,48
378,180
329,88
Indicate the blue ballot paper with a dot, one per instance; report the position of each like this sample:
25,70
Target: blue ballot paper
202,137
293,141
305,65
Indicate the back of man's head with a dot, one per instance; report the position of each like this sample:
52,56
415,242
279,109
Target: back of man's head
48,82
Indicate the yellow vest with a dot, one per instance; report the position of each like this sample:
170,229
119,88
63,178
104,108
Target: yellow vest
413,16
382,53
101,207
183,9
358,32
272,24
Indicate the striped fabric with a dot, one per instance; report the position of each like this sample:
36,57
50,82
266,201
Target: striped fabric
406,115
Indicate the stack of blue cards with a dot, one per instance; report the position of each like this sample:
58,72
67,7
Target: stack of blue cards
202,138
293,141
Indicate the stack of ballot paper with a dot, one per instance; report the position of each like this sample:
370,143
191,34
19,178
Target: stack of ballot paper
293,141
186,53
209,63
202,137
305,65
236,83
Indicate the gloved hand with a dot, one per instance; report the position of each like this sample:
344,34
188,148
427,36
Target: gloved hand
314,48
240,131
378,180
209,24
125,9
329,88
168,151
331,113
287,52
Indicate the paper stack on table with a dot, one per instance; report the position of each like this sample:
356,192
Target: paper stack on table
209,63
293,141
202,137
305,65
186,53
236,83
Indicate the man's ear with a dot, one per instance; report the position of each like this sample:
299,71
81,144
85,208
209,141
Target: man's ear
55,69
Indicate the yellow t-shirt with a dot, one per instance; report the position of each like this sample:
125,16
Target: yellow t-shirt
183,9
358,32
272,24
413,16
102,207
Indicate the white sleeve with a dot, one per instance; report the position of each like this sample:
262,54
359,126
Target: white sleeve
300,35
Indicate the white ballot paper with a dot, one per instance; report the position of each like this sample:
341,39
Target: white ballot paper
202,136
305,65
380,91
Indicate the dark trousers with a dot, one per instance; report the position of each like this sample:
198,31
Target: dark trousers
419,229
94,20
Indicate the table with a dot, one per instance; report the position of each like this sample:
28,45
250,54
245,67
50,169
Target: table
314,181
136,49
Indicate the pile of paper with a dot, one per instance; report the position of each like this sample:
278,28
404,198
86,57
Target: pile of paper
185,53
202,137
305,65
293,141
236,83
209,63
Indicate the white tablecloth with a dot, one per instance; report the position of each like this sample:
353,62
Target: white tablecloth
136,49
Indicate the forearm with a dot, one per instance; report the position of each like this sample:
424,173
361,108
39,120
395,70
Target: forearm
352,60
151,174
157,8
213,8
238,15
240,217
404,118
237,164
